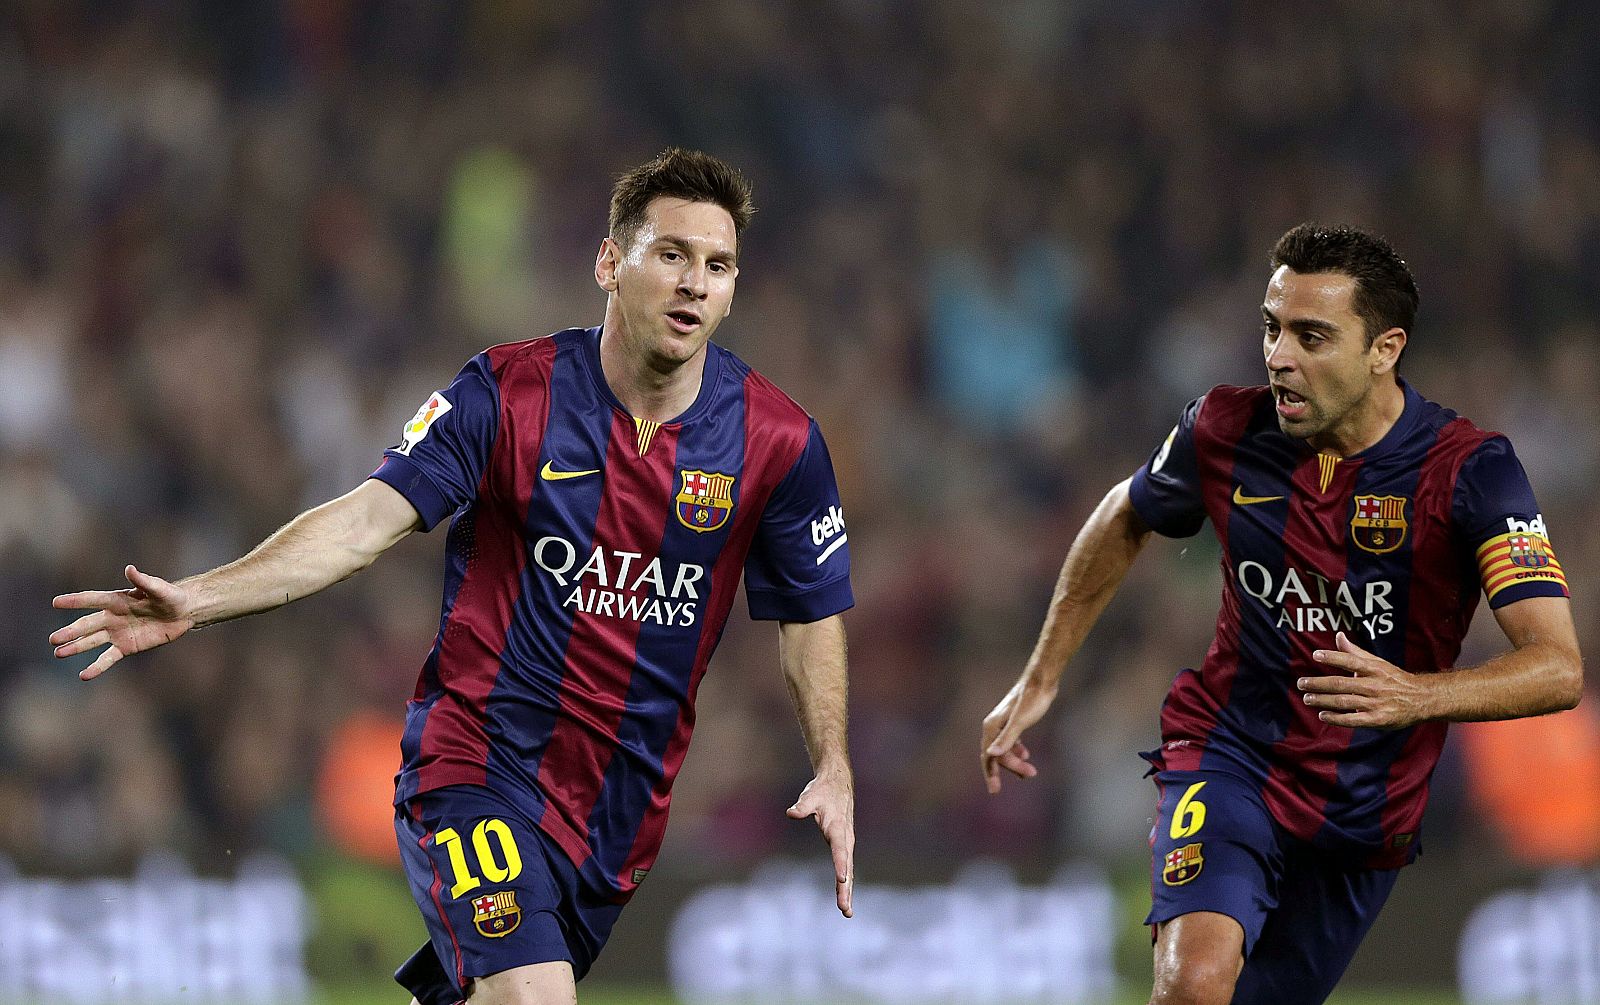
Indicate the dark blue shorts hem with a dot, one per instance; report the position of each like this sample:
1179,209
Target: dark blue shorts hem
523,904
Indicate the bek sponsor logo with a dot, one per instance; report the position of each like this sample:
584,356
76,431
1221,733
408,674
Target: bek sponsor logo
618,584
1164,452
1306,601
1534,526
828,527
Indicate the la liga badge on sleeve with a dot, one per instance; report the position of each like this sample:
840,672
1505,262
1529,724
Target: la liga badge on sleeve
436,405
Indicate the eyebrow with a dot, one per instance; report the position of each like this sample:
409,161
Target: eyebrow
727,257
1302,324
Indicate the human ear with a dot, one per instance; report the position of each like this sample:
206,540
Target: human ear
1386,349
605,265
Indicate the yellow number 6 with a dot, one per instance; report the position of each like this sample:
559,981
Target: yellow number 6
1190,815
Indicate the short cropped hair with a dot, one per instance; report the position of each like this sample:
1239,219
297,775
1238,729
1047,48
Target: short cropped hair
1385,292
679,174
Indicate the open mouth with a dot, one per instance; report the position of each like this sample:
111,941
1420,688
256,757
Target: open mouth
1291,405
684,321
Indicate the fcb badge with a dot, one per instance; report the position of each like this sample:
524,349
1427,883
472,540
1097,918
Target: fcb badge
1182,865
705,500
1379,523
1527,551
496,915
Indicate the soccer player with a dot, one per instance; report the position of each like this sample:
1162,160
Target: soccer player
606,486
1358,523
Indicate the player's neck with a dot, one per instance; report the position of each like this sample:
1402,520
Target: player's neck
1366,424
646,389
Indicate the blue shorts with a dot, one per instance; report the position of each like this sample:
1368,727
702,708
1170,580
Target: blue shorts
1215,847
494,891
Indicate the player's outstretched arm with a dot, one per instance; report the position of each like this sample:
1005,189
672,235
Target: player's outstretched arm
313,551
1542,673
813,659
1098,560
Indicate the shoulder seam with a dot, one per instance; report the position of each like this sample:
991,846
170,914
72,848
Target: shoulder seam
520,352
754,381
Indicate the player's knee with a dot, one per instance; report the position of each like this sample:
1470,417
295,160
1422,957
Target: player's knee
1196,981
538,984
527,995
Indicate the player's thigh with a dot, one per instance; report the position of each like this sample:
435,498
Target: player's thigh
486,888
1214,849
538,984
1197,959
1309,941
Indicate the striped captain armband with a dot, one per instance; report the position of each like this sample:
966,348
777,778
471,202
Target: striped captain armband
1516,558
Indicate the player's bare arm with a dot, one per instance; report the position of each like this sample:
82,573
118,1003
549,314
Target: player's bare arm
1096,563
1543,672
813,659
316,549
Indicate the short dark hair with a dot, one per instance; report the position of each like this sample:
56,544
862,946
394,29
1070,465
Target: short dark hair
1386,292
678,174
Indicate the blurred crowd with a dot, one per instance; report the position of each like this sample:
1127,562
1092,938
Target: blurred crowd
999,246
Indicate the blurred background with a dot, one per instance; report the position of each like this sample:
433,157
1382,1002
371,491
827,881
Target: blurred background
999,247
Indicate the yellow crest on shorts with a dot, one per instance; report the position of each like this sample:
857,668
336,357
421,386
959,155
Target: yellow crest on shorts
1182,864
496,915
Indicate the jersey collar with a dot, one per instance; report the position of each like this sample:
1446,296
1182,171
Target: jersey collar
1409,415
590,340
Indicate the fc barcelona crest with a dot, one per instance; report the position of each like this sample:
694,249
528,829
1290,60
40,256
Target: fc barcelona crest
705,500
1528,551
1182,864
496,915
1379,524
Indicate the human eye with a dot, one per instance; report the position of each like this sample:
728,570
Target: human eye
670,255
718,267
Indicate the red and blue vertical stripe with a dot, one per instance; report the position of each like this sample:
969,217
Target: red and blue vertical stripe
1283,516
536,686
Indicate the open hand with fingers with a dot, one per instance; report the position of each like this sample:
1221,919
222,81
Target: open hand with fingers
1025,704
151,614
830,798
1372,694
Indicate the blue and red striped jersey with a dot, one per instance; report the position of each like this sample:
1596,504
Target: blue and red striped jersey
1391,546
590,567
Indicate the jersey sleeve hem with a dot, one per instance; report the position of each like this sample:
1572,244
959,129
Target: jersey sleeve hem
1522,591
406,477
821,601
1150,512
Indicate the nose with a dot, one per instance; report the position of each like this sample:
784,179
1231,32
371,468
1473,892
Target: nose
692,281
1280,355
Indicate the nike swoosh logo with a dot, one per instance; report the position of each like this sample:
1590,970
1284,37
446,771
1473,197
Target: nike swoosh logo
550,474
1243,500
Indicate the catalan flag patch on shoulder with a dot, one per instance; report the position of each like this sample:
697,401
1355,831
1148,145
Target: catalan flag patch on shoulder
1516,558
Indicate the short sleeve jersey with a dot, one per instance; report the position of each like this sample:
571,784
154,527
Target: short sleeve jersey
591,564
1392,546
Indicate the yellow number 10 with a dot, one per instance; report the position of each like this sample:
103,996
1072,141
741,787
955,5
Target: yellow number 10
493,871
1190,815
